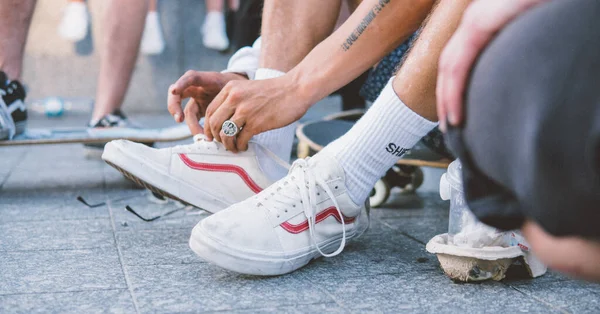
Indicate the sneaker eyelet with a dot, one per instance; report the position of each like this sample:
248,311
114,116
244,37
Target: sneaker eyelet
336,187
294,205
286,210
318,194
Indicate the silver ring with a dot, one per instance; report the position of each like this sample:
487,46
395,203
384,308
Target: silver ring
229,128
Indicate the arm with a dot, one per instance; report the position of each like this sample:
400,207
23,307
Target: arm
374,29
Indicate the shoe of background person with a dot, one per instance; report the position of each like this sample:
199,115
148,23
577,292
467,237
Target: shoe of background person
203,174
214,33
75,22
117,119
13,113
153,42
284,227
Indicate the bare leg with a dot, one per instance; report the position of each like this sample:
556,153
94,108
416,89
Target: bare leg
124,24
291,29
152,6
15,18
214,5
416,79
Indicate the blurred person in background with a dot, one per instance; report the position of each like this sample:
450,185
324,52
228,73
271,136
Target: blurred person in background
75,24
123,28
214,29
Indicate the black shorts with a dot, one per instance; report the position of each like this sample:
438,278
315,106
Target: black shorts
530,144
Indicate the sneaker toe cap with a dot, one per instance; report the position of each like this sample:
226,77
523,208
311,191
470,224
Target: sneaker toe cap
241,228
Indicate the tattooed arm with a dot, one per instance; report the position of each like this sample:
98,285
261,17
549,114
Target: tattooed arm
372,31
376,28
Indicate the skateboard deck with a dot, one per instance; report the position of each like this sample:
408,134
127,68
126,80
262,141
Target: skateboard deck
316,135
99,135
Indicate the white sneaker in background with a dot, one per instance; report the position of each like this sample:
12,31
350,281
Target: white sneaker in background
203,174
153,42
284,227
75,22
214,33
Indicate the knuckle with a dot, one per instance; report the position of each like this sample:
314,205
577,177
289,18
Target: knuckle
189,73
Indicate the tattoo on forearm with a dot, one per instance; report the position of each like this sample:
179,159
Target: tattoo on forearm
363,24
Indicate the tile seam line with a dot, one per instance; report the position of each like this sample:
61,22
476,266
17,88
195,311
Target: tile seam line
542,301
121,260
61,291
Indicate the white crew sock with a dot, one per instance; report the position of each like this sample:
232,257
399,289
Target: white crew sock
377,141
278,141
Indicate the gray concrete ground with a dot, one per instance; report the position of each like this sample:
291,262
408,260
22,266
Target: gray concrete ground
57,255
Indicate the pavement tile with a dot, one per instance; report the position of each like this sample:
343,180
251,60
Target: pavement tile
126,221
372,254
39,209
567,295
420,228
413,292
154,247
95,301
60,271
305,308
227,293
53,180
56,235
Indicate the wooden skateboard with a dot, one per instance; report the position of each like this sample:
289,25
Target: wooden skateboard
98,135
406,174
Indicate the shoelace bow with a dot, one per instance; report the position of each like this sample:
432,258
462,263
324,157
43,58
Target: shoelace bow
301,180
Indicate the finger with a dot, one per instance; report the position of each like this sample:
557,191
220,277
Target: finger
191,78
222,113
174,105
210,110
192,118
228,142
466,49
243,138
441,110
231,142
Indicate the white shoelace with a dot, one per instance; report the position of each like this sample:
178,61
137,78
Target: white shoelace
301,180
200,139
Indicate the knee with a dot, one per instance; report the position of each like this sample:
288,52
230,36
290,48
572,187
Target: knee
573,256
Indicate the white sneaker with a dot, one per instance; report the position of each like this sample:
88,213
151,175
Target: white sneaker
203,174
153,42
214,33
284,227
75,22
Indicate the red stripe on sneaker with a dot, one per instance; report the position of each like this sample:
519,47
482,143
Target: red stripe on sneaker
222,168
303,226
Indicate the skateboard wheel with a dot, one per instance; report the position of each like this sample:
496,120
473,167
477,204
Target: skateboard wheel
380,193
417,178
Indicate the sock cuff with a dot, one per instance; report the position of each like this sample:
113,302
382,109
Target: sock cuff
265,73
410,121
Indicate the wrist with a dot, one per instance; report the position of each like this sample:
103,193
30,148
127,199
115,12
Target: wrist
306,87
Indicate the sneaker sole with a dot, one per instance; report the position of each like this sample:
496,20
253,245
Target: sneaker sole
126,165
245,263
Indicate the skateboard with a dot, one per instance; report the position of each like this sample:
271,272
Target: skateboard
406,174
98,135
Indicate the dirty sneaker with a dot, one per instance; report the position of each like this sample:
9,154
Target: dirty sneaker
284,227
203,174
13,113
